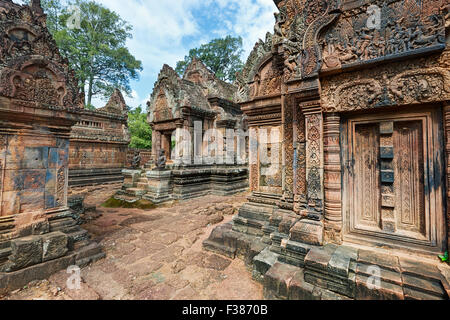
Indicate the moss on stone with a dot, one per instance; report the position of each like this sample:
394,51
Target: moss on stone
117,203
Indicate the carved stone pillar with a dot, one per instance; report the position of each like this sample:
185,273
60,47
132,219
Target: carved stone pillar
314,158
156,144
288,148
332,179
300,202
3,148
447,152
310,229
253,159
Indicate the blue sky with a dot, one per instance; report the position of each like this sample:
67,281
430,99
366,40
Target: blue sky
165,30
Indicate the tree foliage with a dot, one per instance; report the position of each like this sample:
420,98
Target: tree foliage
97,49
140,131
222,56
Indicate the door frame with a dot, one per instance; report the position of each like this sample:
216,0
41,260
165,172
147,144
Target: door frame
435,169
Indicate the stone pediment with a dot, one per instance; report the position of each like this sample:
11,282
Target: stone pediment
172,93
31,68
116,104
212,86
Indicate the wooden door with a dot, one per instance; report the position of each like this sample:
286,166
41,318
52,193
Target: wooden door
394,181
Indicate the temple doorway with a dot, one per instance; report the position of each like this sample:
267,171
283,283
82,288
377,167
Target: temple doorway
393,186
168,144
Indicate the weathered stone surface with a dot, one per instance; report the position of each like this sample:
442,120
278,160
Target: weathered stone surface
366,289
278,278
310,232
25,252
54,245
386,261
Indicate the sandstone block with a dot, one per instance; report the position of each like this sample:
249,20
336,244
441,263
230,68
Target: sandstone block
54,245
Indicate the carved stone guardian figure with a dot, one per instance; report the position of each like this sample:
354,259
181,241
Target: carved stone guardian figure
161,161
136,162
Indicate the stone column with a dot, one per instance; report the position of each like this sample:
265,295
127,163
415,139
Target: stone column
288,148
156,145
3,148
314,158
253,160
310,229
447,152
332,179
300,202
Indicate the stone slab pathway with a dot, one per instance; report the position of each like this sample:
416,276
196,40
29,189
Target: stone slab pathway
156,255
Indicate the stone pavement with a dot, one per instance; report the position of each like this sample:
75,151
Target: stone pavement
155,254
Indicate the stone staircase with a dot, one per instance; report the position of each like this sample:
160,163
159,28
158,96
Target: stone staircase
291,269
137,189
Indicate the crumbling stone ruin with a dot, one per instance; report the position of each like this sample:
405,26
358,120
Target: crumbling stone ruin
195,104
99,144
360,92
39,103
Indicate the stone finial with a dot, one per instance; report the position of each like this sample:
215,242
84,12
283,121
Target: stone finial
36,7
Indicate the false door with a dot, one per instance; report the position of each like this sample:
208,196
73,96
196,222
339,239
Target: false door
394,181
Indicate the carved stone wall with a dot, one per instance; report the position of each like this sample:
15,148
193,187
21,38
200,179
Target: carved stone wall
332,59
39,102
332,178
99,143
380,30
415,81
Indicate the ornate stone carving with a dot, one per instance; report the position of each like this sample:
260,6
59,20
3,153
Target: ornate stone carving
419,81
161,161
247,80
32,68
288,144
61,187
405,26
332,179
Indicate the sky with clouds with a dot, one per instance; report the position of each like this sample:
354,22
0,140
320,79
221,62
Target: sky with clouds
165,30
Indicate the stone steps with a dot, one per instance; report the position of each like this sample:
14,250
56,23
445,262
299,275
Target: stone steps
294,270
142,185
138,192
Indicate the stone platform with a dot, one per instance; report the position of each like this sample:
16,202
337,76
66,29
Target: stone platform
291,269
182,182
92,177
39,252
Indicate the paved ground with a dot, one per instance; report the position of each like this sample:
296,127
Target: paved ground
155,254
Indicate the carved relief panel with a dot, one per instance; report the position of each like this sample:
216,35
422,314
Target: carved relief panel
415,82
382,30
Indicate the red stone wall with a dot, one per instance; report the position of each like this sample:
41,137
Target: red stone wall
146,156
96,155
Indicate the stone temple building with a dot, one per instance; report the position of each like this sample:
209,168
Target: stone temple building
203,107
99,144
360,91
39,103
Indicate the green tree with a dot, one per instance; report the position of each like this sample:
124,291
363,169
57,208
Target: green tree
140,131
96,50
221,56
